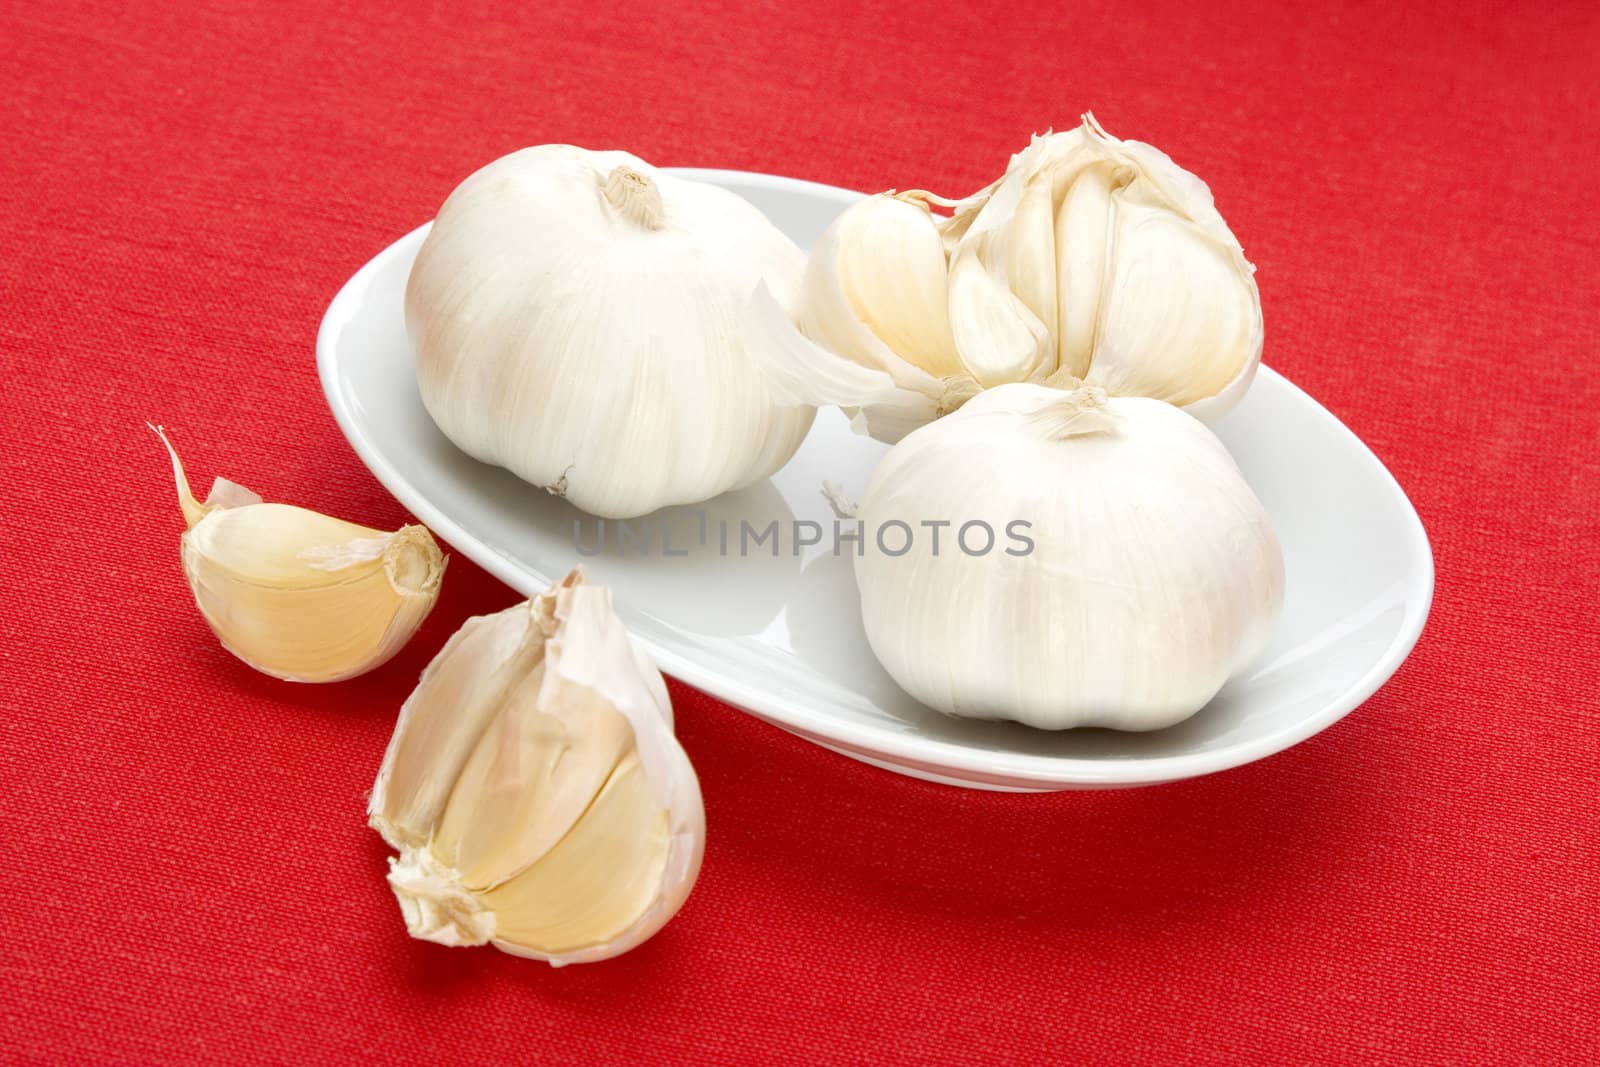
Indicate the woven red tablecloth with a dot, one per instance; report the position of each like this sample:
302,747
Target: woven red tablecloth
189,875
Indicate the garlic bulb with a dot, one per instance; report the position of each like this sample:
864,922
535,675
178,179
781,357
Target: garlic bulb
1091,261
1065,559
299,595
535,790
580,318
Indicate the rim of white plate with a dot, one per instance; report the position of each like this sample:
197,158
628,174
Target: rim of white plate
925,752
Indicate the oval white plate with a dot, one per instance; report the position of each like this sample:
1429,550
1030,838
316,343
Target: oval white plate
781,638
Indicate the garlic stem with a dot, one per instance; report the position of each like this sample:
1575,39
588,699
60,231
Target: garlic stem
635,196
1076,414
193,510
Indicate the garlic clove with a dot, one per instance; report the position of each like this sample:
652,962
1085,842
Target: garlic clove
879,345
455,701
891,269
1026,254
994,269
598,880
999,339
801,371
1178,323
1082,226
530,779
534,788
300,595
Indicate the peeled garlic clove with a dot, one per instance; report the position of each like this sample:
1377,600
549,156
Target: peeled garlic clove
578,318
299,595
535,790
1102,561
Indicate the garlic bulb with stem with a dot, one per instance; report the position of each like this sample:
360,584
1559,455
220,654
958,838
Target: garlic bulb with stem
297,594
1102,561
1091,261
579,318
535,790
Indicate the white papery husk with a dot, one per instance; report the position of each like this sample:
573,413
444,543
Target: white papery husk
1091,261
581,318
500,761
1154,576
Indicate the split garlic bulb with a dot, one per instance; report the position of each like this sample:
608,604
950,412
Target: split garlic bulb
1091,261
580,318
535,790
1068,559
299,595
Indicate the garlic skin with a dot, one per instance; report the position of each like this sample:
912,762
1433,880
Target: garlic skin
535,790
1091,261
1154,572
580,318
297,594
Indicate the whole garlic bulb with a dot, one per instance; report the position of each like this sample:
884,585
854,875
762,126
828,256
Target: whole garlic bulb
1091,261
581,319
535,790
1127,569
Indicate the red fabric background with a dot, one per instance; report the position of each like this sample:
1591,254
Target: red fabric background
191,878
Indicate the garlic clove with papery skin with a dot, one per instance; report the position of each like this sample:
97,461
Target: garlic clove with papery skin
297,594
535,790
1081,237
1143,574
886,305
1091,260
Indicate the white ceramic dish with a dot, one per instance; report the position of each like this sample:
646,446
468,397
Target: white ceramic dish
780,637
